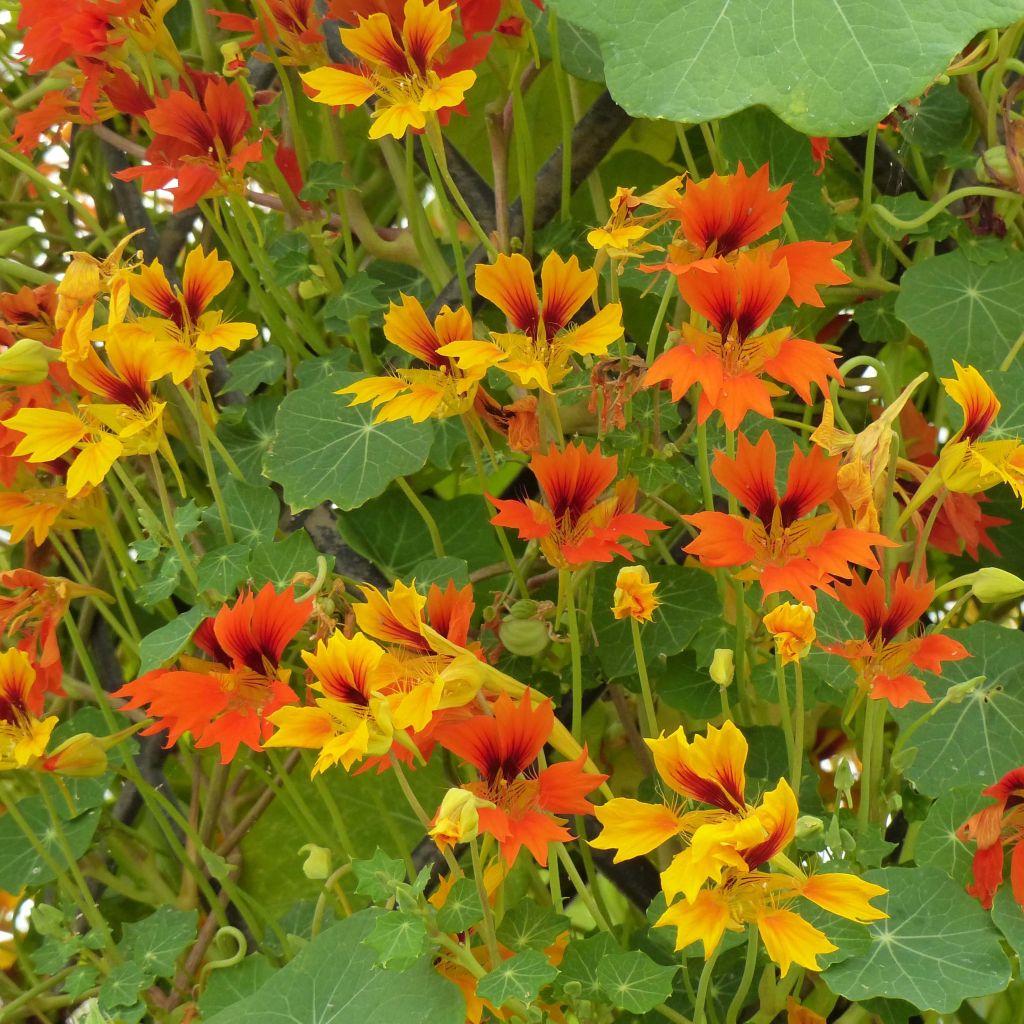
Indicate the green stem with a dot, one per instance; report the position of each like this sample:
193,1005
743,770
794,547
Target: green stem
172,528
201,25
451,223
874,722
700,1004
936,208
490,938
784,711
651,725
799,715
582,889
566,583
424,514
565,114
732,1014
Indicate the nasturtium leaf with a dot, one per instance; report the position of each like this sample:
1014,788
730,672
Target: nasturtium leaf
520,977
756,137
251,369
398,939
687,598
936,948
222,569
252,510
333,980
311,372
290,255
936,841
826,68
635,982
975,742
358,298
582,959
580,54
122,987
938,124
529,926
169,641
439,571
21,865
156,942
1008,916
328,450
462,907
80,980
877,320
230,985
379,875
277,561
322,178
971,312
248,435
686,686
162,585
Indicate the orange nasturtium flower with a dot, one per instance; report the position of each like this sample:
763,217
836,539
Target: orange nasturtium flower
503,748
634,596
966,463
226,700
440,388
993,829
777,545
725,213
199,142
31,616
292,27
574,527
538,351
792,629
727,844
408,75
185,330
730,360
881,661
32,507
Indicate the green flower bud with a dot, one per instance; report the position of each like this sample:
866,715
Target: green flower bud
524,637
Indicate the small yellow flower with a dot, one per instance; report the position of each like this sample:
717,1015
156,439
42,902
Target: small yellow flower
458,818
634,594
792,627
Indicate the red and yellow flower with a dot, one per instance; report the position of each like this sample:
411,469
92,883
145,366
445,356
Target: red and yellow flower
576,526
228,697
792,629
201,143
23,735
993,830
731,361
537,353
503,748
881,661
780,545
622,235
440,388
291,27
635,595
404,66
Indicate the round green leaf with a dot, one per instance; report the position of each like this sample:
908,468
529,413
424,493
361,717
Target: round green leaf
937,948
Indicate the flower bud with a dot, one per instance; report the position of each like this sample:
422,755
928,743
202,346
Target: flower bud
807,825
634,594
26,362
959,692
722,666
792,627
991,585
83,756
457,819
317,864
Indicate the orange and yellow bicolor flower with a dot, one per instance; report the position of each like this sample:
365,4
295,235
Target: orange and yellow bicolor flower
439,388
406,72
537,352
185,330
622,235
23,736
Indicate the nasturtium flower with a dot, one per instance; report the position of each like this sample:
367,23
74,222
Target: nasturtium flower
576,526
731,360
778,545
402,65
349,718
622,235
202,144
635,595
23,735
880,659
503,748
34,508
31,607
538,351
792,629
967,463
226,698
290,27
185,330
993,830
458,818
439,388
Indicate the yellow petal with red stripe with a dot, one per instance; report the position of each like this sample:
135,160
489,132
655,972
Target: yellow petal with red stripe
49,433
634,828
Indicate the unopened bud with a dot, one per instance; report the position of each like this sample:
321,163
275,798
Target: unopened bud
26,362
457,819
722,666
961,691
82,757
845,775
807,825
317,865
524,637
991,585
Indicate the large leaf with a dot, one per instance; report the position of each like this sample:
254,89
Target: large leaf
328,450
21,864
827,67
936,948
975,742
971,312
333,980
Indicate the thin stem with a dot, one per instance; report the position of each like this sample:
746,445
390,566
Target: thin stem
424,514
784,712
743,988
565,584
172,528
799,715
700,1004
565,114
582,889
874,721
490,939
651,725
452,225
